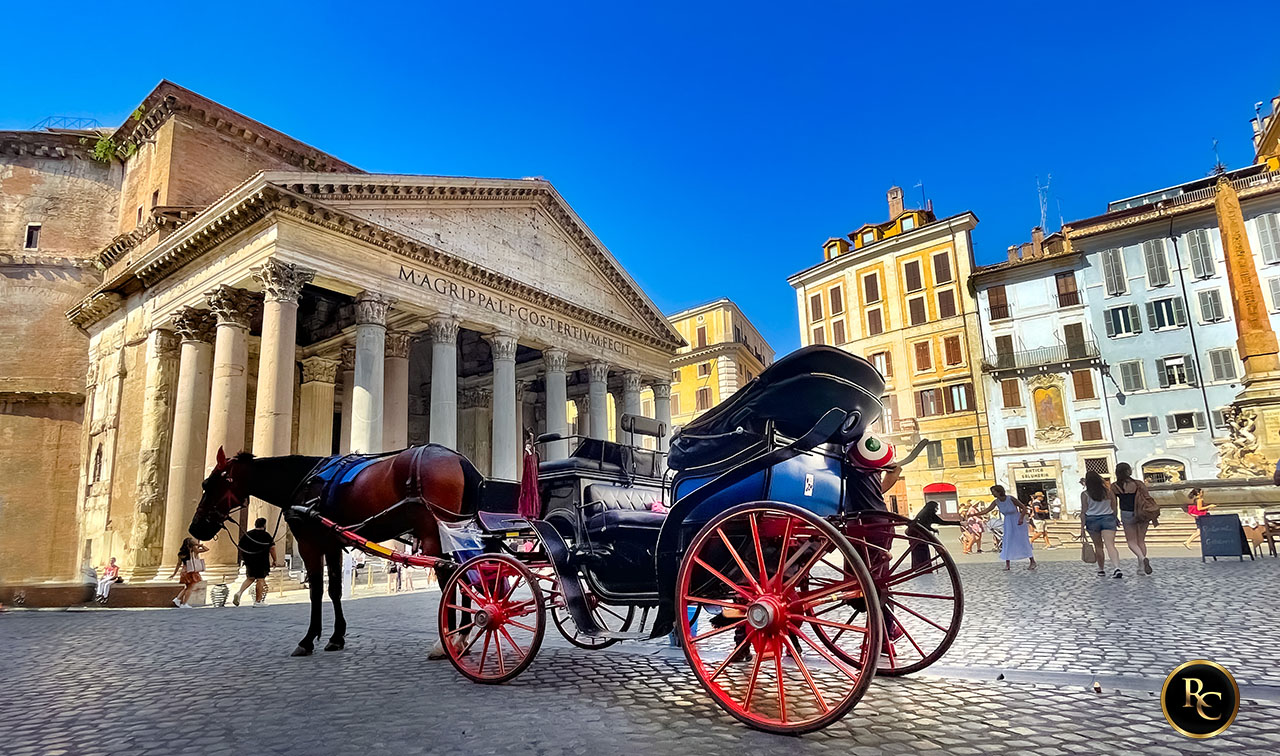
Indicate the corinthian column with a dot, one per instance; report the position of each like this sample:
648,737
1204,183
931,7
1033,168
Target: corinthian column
504,440
444,382
273,412
315,420
147,540
630,402
395,397
662,412
234,308
598,406
556,363
371,344
190,426
348,392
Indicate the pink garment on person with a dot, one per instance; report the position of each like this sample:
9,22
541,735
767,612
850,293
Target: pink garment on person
529,505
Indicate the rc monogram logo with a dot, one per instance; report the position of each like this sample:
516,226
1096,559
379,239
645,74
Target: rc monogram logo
1200,699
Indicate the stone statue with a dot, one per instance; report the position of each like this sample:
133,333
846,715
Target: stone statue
1238,455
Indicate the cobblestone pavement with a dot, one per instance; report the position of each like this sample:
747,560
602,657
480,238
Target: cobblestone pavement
212,681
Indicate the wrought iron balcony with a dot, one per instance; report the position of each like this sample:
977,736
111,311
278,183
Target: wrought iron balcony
1069,299
1058,354
1000,312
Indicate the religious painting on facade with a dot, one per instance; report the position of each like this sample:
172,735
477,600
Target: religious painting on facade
1048,406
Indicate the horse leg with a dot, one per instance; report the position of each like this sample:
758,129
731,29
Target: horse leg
338,640
313,558
442,576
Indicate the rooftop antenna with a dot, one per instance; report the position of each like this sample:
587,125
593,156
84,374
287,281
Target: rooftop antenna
1219,167
924,203
1042,193
1062,221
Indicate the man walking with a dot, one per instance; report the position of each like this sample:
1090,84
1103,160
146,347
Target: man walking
1040,514
258,553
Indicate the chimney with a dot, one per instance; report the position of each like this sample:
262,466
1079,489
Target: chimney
895,202
1013,253
1037,242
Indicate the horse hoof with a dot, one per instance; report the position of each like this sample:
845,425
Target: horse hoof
301,651
437,652
331,646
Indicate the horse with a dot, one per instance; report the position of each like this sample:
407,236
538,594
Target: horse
434,479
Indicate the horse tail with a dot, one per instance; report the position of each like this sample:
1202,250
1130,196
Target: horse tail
472,482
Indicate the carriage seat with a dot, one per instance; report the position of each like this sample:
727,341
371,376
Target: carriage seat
609,507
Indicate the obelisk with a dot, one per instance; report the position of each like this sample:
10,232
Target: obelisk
1255,339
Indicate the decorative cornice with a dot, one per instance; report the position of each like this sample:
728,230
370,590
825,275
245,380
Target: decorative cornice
399,343
195,325
232,306
44,261
503,346
371,308
41,397
555,360
348,357
281,281
444,330
320,369
93,308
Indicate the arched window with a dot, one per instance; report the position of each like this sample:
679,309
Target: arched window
1164,471
97,466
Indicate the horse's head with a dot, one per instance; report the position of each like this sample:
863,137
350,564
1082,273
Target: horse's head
225,491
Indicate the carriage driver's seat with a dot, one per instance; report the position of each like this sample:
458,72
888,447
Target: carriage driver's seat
612,510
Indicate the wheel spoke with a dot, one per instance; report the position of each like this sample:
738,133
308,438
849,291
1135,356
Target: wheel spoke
717,631
606,610
816,597
737,558
716,602
821,552
755,538
464,628
751,686
467,590
918,595
782,688
732,654
828,623
520,625
782,551
485,653
913,612
466,609
911,640
804,670
933,566
851,674
497,648
702,563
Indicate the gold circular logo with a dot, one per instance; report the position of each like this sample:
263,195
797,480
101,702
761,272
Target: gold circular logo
1200,699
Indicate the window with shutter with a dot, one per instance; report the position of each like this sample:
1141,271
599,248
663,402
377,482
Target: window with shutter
928,403
837,300
704,399
1219,418
1157,262
1127,425
883,363
1017,438
1010,392
924,356
1131,376
1189,369
1181,421
1162,372
702,335
871,288
934,450
1201,253
818,337
941,268
1210,305
1091,430
1222,364
917,311
947,304
960,397
875,322
815,307
1113,275
1004,351
951,345
1121,321
837,332
675,375
1135,322
704,369
998,302
1068,294
1082,381
964,451
1179,311
1269,237
1274,284
911,272
675,404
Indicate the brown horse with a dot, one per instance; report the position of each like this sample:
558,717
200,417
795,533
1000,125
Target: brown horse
443,479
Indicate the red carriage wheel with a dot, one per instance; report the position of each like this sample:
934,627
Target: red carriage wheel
615,618
772,570
919,589
491,618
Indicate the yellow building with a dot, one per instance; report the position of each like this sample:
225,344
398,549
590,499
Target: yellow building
1266,135
896,293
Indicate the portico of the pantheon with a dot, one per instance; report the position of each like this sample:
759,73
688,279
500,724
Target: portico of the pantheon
324,313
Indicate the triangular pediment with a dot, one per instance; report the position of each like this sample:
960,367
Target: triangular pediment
519,228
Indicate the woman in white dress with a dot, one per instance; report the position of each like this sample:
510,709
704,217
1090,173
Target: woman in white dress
1017,541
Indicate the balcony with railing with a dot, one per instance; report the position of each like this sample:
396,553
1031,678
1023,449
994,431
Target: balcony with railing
1069,299
1058,354
1000,312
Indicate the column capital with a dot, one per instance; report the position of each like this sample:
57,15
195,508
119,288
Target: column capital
398,343
503,346
444,329
631,382
232,306
282,281
521,387
371,308
164,342
661,389
195,325
597,371
555,360
474,398
348,358
320,370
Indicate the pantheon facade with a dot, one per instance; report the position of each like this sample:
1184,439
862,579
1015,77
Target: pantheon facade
264,296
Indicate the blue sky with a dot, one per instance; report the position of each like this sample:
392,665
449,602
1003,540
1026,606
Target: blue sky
742,135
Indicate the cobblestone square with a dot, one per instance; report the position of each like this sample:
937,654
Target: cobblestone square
1019,679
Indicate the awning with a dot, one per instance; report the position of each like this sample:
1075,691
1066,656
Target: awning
939,488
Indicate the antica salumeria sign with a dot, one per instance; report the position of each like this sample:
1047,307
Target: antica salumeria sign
522,313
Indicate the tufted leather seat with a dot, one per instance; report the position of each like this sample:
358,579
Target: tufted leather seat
610,507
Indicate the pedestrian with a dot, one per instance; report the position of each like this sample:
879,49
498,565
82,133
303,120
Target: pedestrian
973,528
1040,516
1197,508
1055,506
406,571
393,576
1128,491
110,574
190,565
348,573
258,553
1100,521
1016,543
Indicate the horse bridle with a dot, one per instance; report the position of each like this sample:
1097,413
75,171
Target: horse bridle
236,504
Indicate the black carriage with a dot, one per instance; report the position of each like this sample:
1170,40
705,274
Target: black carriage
761,531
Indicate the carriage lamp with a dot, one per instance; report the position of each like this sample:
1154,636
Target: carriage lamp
871,452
